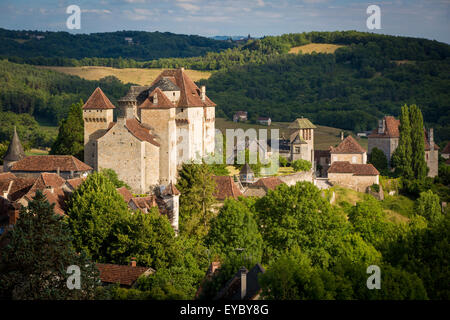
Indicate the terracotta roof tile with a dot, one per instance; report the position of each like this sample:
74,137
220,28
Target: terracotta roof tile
140,132
268,183
7,176
144,203
124,275
225,188
348,145
391,129
20,187
446,149
50,163
98,100
45,181
162,101
356,169
76,182
126,194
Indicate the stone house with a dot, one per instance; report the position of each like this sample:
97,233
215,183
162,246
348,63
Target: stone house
385,137
158,127
302,140
446,151
358,177
262,186
226,188
348,150
125,276
240,116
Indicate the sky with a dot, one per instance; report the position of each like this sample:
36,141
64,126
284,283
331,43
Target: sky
418,18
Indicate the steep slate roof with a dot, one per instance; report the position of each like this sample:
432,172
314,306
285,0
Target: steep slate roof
232,289
15,150
391,129
446,149
163,101
268,183
225,188
165,84
126,194
143,134
246,169
98,100
302,123
50,163
295,137
171,190
348,145
355,169
124,275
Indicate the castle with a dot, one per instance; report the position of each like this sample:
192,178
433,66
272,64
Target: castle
158,127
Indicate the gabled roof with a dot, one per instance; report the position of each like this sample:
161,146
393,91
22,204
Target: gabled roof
140,132
232,289
142,203
75,182
391,129
98,100
165,84
225,188
20,187
268,183
15,150
49,163
162,101
446,149
296,138
44,181
348,145
246,169
302,123
7,176
355,169
171,190
124,275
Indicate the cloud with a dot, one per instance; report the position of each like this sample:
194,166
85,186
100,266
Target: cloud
98,11
188,6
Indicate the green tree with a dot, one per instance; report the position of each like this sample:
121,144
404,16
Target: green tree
94,209
114,178
299,215
34,263
378,159
428,206
70,138
196,186
418,162
301,165
402,157
235,227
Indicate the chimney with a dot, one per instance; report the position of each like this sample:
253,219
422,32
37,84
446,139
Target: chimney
58,171
342,135
381,126
243,271
203,93
133,262
155,99
431,139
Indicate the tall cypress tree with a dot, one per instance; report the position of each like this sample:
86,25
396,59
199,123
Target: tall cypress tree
418,164
70,138
402,157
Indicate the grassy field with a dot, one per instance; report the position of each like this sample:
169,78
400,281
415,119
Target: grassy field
324,137
315,47
126,75
36,152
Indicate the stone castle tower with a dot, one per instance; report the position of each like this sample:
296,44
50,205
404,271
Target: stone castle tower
158,127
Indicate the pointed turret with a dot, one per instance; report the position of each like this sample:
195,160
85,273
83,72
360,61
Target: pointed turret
14,153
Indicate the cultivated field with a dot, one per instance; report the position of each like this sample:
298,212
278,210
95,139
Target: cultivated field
317,47
127,75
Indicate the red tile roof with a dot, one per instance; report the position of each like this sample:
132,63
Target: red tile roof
7,176
45,181
446,149
126,194
162,101
144,203
391,129
124,275
20,187
98,100
268,183
348,145
140,132
76,182
50,163
356,169
189,92
225,188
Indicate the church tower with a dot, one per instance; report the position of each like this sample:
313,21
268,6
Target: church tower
98,117
14,153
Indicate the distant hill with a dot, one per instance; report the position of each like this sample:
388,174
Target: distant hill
137,45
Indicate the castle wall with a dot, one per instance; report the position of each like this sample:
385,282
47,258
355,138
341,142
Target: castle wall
96,124
121,151
432,159
357,158
209,141
387,145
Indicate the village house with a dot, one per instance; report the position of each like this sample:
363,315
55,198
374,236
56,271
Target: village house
265,121
226,187
386,138
358,177
348,150
262,186
302,140
240,116
158,128
446,151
